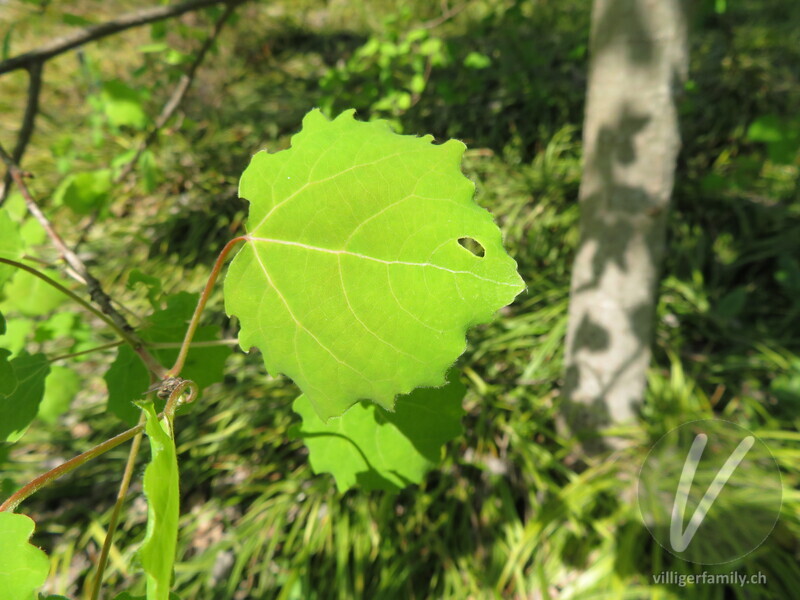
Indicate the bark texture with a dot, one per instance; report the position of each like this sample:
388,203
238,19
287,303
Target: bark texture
638,63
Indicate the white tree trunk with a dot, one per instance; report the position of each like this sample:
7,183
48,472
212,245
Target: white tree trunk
638,63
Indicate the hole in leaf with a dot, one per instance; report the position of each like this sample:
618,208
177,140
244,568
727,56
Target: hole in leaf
473,246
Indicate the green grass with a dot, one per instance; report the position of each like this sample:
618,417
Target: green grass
512,512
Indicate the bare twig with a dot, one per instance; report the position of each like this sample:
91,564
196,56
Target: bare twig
96,292
96,32
178,93
28,121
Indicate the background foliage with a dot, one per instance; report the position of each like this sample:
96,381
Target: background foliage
513,512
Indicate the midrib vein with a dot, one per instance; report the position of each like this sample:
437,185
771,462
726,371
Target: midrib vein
374,259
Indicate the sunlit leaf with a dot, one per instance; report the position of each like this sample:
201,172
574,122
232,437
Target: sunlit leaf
60,388
84,192
31,296
354,282
23,567
11,245
123,105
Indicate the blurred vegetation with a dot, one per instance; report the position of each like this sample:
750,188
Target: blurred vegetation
513,512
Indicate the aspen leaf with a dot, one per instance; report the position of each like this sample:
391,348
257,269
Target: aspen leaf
353,281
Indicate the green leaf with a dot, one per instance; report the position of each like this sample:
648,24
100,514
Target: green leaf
11,245
163,503
354,283
377,449
476,60
60,388
23,566
19,408
84,192
2,324
123,105
127,378
33,297
152,284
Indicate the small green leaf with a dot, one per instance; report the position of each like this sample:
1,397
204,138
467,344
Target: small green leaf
76,20
11,245
84,192
123,105
60,388
163,503
152,284
127,378
353,282
19,408
768,128
23,566
2,324
476,60
29,295
378,449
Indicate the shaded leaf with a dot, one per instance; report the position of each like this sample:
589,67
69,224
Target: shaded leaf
19,408
23,566
157,552
378,449
353,282
8,379
127,378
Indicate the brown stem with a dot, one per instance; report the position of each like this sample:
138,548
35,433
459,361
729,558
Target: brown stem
96,291
201,304
101,30
36,484
112,522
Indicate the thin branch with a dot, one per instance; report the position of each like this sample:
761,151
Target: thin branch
28,122
96,292
203,344
87,351
67,292
36,484
96,32
201,304
178,93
